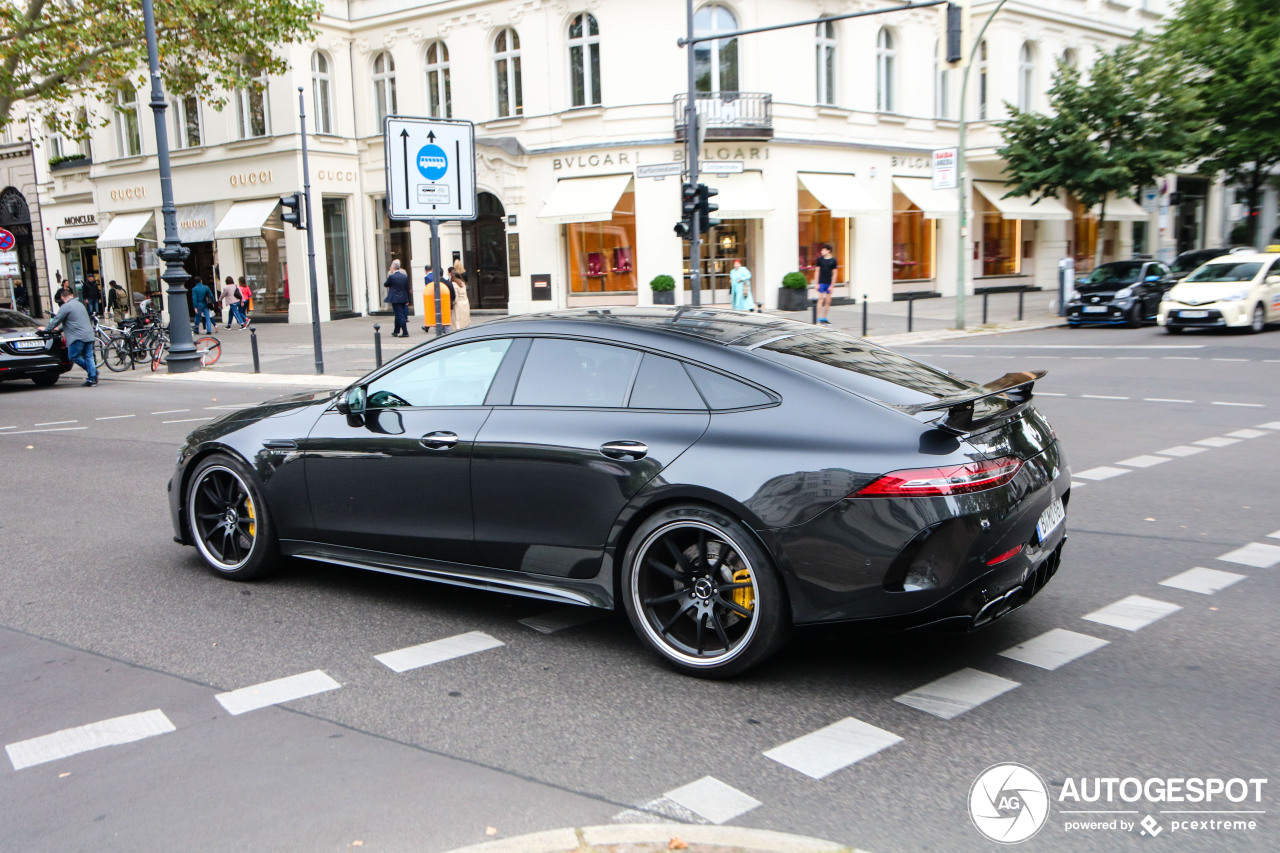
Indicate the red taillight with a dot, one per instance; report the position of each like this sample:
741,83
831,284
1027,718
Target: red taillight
1012,552
949,480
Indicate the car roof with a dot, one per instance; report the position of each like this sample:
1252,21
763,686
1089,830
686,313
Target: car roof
712,325
1250,257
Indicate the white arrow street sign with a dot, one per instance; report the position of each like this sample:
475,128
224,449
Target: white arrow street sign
431,168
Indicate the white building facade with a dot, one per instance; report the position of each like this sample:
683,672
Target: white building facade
826,133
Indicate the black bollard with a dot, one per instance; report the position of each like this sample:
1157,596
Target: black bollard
1021,291
985,295
911,304
377,344
864,315
253,343
813,305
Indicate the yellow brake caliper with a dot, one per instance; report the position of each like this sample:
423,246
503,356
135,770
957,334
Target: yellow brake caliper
744,596
248,505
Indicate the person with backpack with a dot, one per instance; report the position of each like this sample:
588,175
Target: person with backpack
202,301
231,298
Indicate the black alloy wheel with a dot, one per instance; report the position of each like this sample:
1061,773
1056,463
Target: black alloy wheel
702,593
228,519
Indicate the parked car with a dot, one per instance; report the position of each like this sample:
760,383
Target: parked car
719,475
26,353
1240,290
1186,263
1119,292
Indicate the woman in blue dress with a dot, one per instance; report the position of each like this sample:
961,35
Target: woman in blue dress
740,287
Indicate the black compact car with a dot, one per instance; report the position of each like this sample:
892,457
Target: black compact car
26,353
721,475
1119,293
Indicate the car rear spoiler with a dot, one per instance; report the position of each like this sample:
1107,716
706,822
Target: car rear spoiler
959,407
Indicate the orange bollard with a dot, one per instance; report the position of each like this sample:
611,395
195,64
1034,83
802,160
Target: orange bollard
429,306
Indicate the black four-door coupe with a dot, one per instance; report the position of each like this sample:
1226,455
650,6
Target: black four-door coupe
720,475
26,353
1119,292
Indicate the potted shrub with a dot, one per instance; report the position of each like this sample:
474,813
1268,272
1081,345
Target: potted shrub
794,293
68,161
664,290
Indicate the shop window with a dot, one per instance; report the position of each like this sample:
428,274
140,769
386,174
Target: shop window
322,92
337,248
1001,244
506,67
818,226
826,47
914,246
391,237
265,266
143,266
584,60
128,131
715,63
439,85
602,254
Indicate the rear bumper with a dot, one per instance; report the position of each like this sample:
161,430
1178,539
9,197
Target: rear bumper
25,368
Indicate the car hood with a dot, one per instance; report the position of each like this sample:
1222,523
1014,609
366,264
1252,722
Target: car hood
1203,292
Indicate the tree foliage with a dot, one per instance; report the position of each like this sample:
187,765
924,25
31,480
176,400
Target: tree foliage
1118,131
50,50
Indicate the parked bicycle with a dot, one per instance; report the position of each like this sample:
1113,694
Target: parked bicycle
136,342
208,348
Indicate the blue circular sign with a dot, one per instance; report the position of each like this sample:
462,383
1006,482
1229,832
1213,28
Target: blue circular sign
432,162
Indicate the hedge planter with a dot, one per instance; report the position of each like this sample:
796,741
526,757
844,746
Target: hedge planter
664,297
792,299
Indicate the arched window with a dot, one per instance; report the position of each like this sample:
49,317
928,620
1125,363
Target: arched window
826,46
128,131
252,116
384,86
941,85
715,63
584,60
1070,58
506,68
1026,76
982,81
321,93
886,58
439,87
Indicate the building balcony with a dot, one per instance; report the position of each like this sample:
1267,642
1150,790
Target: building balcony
729,115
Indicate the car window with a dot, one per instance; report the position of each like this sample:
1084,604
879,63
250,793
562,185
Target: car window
722,393
1191,260
456,376
662,383
575,373
1158,269
1225,271
1119,273
12,320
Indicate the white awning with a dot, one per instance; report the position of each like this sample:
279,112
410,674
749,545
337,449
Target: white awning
741,197
245,219
584,199
920,192
76,232
122,231
1021,207
840,193
1122,210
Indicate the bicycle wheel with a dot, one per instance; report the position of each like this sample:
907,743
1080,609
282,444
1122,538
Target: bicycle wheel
117,356
210,350
99,353
159,355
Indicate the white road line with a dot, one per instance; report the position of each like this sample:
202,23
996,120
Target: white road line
1083,357
1165,400
1270,425
1102,472
660,810
831,748
1077,484
1133,358
1053,649
1203,581
56,423
1132,612
561,618
1218,441
1102,397
437,651
1180,358
55,429
713,800
1049,394
274,692
1143,461
67,742
1228,359
114,417
1257,554
9,427
952,695
186,420
170,411
1181,450
1275,535
1241,405
1248,433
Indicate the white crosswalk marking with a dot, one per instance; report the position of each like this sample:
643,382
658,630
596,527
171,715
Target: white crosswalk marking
437,651
1248,433
712,799
1203,581
1270,425
1143,461
118,730
952,695
1132,612
831,748
1218,441
1181,450
275,692
1053,649
1102,472
1257,554
1275,535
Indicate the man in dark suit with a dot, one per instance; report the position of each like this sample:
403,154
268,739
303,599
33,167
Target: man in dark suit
398,296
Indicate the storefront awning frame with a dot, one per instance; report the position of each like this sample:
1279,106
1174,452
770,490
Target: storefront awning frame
1021,207
123,229
245,219
841,194
935,203
591,199
741,196
77,232
1121,210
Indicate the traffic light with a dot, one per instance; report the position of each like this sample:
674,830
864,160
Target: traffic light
688,205
292,212
955,17
706,208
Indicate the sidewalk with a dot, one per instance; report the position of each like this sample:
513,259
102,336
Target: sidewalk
287,356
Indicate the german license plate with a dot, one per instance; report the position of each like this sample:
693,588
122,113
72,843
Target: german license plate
1095,309
1193,315
1050,519
28,344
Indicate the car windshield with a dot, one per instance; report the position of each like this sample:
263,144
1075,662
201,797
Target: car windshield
1225,272
1121,273
12,321
1191,260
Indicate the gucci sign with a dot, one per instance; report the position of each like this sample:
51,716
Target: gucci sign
245,178
128,193
335,175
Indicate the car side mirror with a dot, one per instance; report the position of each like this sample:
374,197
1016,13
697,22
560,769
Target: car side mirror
354,403
1274,278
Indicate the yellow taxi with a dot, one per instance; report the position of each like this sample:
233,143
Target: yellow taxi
1240,290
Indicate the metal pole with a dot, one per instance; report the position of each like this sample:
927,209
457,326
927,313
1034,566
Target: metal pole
691,137
183,357
1021,292
911,305
864,315
436,272
311,236
253,345
985,294
377,345
813,304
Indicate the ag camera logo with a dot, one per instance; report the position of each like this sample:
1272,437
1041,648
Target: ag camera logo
433,163
1009,803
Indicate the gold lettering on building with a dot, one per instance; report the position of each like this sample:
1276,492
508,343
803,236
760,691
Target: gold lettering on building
243,179
128,193
335,175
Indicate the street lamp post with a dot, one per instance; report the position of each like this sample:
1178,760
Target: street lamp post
183,357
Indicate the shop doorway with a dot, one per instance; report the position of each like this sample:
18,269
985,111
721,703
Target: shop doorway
728,242
15,217
484,250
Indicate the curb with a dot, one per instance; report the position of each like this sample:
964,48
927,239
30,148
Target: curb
655,837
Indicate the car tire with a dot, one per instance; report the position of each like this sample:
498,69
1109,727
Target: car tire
44,380
228,520
1258,321
1134,319
702,593
1173,330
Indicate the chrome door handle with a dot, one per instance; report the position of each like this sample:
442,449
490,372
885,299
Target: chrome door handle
624,449
440,440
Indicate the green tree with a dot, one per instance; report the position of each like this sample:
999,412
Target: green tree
1228,54
1119,131
51,50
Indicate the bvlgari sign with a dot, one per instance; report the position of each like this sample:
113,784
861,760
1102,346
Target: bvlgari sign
195,223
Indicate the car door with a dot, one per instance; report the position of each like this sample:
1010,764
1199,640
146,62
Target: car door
589,425
397,479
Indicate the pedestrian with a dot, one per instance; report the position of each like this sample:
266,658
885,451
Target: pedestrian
20,296
397,285
231,298
461,302
204,305
92,295
246,301
827,264
77,327
740,287
117,301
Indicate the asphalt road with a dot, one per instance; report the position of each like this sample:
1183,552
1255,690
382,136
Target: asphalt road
102,616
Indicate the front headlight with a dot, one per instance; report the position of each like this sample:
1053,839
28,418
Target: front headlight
1124,293
1238,296
1074,296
